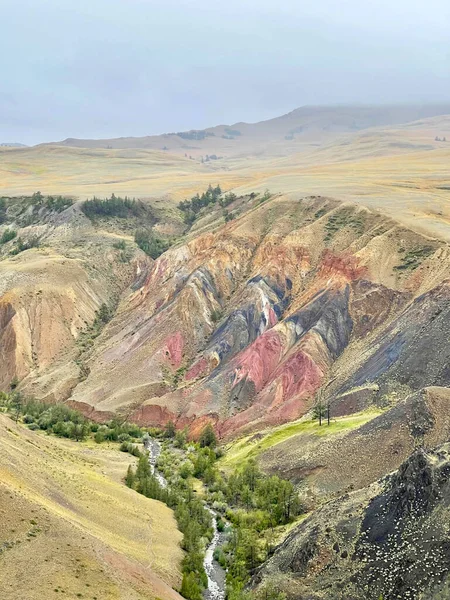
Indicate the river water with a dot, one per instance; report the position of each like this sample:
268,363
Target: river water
214,572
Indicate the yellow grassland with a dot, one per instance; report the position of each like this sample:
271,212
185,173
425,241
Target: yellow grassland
70,528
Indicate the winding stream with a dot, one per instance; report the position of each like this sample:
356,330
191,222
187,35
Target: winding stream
214,572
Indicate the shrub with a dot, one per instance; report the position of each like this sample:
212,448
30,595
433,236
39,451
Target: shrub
7,236
169,431
151,244
58,203
208,437
21,245
190,588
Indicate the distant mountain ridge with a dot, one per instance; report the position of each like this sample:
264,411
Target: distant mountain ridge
13,145
304,125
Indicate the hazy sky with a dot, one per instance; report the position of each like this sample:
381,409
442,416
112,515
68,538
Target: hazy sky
107,68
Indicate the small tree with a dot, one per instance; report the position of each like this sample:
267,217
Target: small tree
104,314
130,478
17,404
170,429
79,431
190,588
208,437
319,412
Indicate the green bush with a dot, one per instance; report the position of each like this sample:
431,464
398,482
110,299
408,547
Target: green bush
208,437
7,236
190,587
151,244
99,437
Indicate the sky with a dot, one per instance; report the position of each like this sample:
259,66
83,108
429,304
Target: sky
110,68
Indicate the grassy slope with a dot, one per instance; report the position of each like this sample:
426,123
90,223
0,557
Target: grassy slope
253,445
67,522
401,171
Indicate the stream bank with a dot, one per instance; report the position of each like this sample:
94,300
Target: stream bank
214,571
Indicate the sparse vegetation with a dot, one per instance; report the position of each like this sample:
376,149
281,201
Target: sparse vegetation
2,210
320,213
21,245
58,203
266,196
227,199
27,210
194,134
413,258
86,338
228,216
232,132
120,245
343,218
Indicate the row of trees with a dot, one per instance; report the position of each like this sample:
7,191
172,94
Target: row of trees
64,421
191,208
53,203
115,206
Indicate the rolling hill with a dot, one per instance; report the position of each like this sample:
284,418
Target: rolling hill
303,127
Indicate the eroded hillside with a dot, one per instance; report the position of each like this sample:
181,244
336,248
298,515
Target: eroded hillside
241,322
244,322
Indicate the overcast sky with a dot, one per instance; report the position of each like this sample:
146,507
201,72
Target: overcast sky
107,68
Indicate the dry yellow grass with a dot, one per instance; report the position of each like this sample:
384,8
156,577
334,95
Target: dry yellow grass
69,525
401,171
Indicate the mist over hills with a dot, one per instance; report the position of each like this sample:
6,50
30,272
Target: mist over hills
307,125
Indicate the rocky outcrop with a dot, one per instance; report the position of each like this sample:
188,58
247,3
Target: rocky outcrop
388,540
